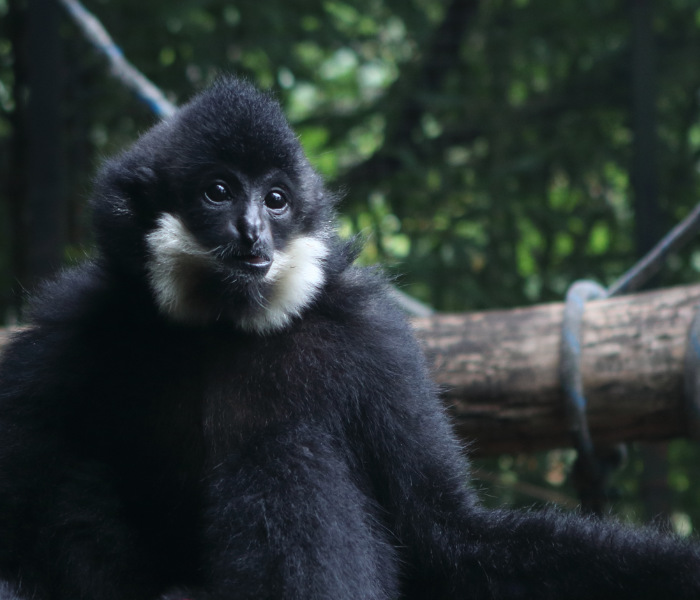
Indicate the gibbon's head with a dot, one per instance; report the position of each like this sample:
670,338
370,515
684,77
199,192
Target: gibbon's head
219,209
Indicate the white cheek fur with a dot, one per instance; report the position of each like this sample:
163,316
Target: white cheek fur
295,278
175,257
177,261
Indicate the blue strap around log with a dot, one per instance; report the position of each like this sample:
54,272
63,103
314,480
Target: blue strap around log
589,475
593,465
570,364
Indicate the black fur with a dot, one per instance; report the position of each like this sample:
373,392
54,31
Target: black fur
200,455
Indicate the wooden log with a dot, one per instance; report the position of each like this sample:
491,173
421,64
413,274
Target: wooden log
498,370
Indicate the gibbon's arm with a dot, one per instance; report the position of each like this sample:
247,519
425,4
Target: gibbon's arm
44,374
460,549
285,520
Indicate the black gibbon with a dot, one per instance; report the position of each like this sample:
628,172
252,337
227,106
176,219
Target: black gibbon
220,406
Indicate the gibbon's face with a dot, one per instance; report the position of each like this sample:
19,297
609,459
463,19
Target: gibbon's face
238,222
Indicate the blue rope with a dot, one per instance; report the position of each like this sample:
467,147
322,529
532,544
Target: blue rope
122,69
593,465
650,264
570,365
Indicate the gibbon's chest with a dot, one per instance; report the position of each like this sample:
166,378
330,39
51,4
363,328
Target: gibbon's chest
168,395
253,382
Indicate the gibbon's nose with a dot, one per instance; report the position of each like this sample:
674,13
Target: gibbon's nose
251,225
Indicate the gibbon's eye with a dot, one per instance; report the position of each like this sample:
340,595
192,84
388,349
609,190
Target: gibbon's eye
217,192
276,201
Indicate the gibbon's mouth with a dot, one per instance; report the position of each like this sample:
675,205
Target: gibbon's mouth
253,263
254,260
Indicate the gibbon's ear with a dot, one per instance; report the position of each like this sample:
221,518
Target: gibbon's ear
124,208
139,182
127,185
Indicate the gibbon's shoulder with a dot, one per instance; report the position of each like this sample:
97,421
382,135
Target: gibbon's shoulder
359,332
43,353
80,295
67,296
76,316
361,299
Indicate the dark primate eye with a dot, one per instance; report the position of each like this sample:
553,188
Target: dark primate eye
275,200
217,192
